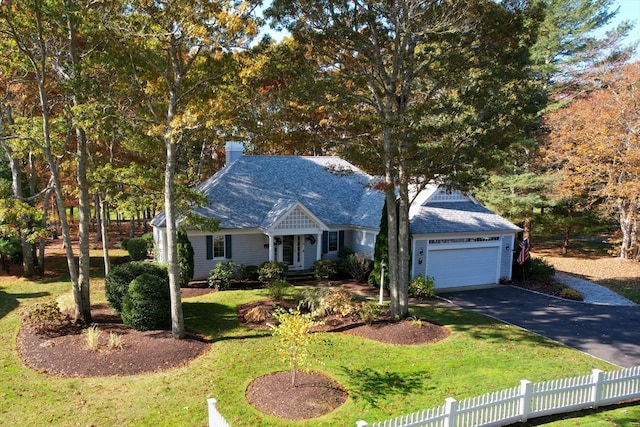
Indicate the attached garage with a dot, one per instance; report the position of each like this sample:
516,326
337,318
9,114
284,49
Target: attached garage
460,243
480,266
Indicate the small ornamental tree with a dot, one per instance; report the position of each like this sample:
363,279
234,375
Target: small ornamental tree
294,339
185,258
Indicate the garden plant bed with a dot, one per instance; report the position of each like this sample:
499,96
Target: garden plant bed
67,353
549,287
314,394
404,332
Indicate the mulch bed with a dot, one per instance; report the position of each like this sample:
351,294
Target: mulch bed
67,353
548,287
313,394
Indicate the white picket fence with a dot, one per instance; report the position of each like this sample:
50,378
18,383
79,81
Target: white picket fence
518,404
513,404
215,418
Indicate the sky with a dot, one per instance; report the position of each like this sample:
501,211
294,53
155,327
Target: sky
629,10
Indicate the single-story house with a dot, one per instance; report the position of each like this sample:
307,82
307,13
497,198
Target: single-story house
299,209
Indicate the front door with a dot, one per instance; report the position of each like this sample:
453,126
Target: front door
292,252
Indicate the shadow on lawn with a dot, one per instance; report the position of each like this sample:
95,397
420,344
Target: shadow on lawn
626,418
9,302
373,386
216,322
479,326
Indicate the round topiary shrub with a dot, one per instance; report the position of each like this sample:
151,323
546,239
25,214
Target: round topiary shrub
147,303
137,248
118,280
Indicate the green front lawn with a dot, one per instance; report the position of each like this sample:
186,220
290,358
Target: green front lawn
481,355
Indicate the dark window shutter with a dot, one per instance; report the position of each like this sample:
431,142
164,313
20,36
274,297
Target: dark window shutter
340,239
325,242
209,247
227,246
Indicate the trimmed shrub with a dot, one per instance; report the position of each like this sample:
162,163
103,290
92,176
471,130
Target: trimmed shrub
45,317
221,275
148,237
325,269
272,270
185,258
534,269
147,303
120,277
277,289
370,310
137,248
246,272
357,266
422,287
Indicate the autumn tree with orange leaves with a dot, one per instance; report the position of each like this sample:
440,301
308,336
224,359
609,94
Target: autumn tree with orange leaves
595,143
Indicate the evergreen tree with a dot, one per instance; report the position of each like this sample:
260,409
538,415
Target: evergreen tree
185,257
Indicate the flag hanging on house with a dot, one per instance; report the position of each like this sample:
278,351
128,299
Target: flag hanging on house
524,251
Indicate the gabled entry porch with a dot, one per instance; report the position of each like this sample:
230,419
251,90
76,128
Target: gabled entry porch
295,236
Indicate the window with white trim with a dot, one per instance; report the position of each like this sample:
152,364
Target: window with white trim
332,244
215,247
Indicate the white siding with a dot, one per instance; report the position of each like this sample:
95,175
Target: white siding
247,249
160,244
419,265
461,261
506,263
362,242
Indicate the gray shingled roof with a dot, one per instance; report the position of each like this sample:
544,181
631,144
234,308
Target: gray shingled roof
253,191
457,217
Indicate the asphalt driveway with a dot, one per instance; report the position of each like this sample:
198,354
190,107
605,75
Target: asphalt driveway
611,333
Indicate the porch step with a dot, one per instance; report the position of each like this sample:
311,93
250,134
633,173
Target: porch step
295,275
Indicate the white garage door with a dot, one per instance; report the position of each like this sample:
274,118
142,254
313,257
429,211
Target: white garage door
463,267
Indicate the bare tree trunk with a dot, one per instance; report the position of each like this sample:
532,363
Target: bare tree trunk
177,322
105,234
403,244
98,210
565,244
42,241
82,296
16,185
626,215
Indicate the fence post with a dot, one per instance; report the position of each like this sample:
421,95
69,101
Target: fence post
596,387
211,404
450,409
362,423
525,399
